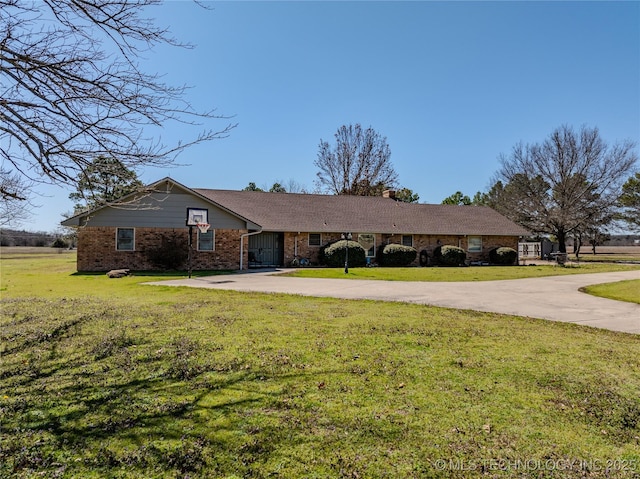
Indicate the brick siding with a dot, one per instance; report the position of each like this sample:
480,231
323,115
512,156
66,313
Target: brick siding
304,250
420,243
97,249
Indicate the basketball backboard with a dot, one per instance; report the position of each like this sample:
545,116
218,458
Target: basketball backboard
197,216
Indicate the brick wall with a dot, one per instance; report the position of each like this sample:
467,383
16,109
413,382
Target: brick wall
97,249
303,248
420,242
431,242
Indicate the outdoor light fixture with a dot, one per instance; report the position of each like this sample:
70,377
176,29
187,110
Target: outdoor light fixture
346,236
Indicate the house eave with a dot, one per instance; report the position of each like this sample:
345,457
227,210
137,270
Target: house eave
82,218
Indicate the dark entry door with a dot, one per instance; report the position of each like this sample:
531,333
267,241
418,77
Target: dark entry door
267,249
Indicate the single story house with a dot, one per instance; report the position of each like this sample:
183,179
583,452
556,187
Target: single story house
253,228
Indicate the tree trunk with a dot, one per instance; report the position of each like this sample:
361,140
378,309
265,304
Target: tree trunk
562,241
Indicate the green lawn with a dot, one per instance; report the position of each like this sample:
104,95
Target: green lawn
472,273
620,291
108,378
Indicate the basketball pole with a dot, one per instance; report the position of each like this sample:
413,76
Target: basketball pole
190,248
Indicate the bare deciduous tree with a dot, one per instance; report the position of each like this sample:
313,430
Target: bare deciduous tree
71,90
568,183
14,208
358,164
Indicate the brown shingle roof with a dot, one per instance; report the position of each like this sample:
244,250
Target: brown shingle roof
329,213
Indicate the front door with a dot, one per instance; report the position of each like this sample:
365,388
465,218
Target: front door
267,249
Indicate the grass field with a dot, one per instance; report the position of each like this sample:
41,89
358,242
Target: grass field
473,273
109,378
609,253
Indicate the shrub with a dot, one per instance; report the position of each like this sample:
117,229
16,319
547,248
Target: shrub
396,255
333,254
449,255
424,258
321,254
503,256
60,243
170,254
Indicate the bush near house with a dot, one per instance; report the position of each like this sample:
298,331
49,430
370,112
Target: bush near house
396,255
449,255
60,243
333,254
321,254
171,254
503,256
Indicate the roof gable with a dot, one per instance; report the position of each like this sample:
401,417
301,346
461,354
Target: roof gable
163,204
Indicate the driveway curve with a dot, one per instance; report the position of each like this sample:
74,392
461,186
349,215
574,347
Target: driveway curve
555,298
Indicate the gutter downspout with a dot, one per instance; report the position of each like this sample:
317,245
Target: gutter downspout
242,237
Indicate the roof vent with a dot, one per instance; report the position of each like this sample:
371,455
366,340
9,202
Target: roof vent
389,194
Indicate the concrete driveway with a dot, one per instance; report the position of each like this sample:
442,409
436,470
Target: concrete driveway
556,298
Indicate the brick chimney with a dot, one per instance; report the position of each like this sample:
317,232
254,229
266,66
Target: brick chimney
389,194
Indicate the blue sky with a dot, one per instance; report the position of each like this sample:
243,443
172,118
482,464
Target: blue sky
451,85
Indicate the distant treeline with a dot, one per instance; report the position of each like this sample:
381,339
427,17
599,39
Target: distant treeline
615,240
25,238
623,240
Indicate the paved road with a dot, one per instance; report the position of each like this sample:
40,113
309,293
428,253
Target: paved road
556,297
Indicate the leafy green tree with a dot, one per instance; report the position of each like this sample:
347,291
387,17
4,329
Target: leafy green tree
277,188
407,195
60,243
493,197
291,186
630,202
480,199
251,187
104,181
457,199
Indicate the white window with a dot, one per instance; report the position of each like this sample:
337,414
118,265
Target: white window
474,244
407,240
315,239
206,241
125,239
368,242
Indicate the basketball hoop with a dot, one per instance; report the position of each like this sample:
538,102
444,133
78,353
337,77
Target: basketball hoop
203,227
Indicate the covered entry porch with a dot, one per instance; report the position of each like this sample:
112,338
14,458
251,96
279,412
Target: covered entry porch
266,250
